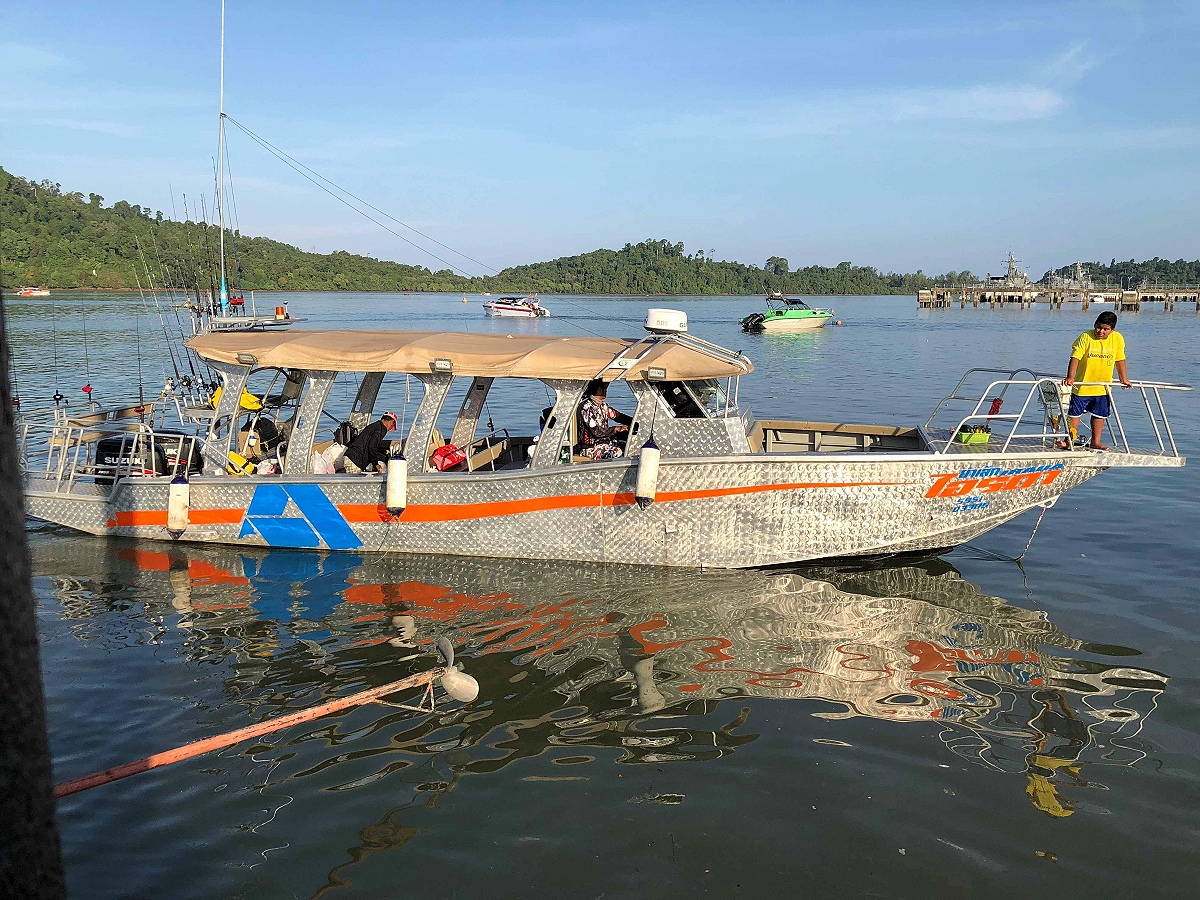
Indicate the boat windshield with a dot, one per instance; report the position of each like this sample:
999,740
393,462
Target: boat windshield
774,302
711,395
700,399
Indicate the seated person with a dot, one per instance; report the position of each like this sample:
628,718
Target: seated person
369,450
599,437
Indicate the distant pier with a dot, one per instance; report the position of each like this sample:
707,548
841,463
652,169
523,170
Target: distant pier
1024,296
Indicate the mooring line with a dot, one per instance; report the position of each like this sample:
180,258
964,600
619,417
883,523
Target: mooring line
242,734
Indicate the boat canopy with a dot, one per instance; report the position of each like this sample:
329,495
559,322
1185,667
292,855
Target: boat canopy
483,355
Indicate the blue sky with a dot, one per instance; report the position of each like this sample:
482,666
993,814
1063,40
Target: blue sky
900,135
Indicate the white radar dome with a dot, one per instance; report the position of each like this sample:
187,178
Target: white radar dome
666,321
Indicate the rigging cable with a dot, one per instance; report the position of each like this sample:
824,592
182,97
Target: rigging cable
304,172
316,178
237,263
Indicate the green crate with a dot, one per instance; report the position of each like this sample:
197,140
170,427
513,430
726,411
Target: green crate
973,437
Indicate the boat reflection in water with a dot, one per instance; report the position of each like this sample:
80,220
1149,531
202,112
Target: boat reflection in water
637,660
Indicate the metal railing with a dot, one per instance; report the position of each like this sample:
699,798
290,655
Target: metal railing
62,453
1044,403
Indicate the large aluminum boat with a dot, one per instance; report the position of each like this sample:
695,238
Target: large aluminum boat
701,481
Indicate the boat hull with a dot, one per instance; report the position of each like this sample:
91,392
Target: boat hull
729,512
512,312
786,324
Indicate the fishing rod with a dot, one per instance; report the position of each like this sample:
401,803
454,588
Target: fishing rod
158,307
142,298
208,254
194,257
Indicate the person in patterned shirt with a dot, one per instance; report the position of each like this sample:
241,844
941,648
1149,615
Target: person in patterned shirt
602,430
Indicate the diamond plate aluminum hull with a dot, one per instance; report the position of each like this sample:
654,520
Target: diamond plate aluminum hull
723,512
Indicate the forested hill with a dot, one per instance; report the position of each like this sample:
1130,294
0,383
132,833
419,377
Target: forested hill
661,267
54,238
59,239
1134,274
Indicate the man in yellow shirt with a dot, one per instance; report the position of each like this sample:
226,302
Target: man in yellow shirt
1093,356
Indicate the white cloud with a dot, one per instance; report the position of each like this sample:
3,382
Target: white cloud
837,112
1071,65
984,103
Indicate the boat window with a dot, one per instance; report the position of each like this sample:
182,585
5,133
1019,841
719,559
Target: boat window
680,400
711,394
508,425
268,411
399,393
618,396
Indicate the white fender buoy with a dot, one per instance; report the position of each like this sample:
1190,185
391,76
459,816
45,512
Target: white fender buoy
647,474
179,503
406,625
397,483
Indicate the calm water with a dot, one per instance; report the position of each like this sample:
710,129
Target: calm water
956,727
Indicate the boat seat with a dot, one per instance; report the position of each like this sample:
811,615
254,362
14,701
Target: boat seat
59,437
114,414
486,455
435,441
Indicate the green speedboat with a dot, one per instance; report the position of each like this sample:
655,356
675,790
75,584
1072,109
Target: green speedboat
786,314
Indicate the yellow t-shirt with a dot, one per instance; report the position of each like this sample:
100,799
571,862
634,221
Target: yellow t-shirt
1096,361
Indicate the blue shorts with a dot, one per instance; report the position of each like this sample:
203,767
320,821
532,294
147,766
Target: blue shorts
1097,405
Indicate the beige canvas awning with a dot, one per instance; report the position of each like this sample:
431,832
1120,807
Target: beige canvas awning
486,355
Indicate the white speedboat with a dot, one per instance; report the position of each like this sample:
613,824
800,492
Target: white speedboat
527,307
701,481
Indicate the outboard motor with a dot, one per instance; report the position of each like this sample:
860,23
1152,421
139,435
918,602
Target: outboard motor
753,322
128,455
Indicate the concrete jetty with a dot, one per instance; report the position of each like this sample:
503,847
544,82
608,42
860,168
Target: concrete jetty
1015,288
992,296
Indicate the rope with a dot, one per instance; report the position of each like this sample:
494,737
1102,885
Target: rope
1045,506
984,553
229,738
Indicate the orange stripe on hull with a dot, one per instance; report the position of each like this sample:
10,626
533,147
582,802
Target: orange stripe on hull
449,512
215,516
147,517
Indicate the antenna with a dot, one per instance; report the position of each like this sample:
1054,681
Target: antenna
221,166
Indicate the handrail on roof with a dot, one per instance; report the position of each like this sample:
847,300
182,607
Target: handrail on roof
1053,427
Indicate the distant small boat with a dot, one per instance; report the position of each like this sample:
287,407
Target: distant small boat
34,292
786,314
526,307
486,294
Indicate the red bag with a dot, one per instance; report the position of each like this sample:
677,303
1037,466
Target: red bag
447,457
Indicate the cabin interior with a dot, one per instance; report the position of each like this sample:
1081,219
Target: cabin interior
506,424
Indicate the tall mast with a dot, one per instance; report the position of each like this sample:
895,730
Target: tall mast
221,167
